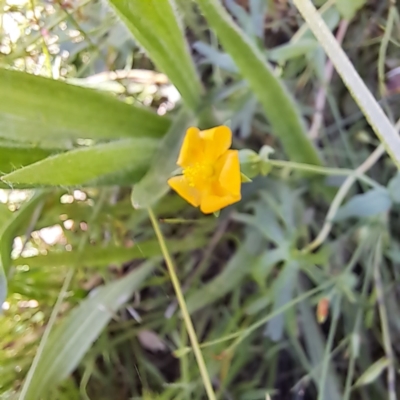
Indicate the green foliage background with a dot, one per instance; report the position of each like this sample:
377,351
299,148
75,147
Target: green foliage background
95,97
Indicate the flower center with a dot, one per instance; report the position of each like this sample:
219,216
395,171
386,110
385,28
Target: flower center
198,175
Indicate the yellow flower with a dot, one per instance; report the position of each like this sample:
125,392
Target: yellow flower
211,172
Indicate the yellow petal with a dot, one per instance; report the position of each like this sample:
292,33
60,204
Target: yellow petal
228,168
181,186
192,148
216,142
211,203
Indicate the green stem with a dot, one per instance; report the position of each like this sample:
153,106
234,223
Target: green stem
183,307
387,342
356,332
383,48
328,348
323,170
359,91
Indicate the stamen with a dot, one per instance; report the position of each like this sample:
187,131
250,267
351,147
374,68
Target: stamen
198,174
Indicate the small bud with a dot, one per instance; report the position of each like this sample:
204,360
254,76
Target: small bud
249,163
322,310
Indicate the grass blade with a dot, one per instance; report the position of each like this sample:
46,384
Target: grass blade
8,231
358,89
101,257
278,105
39,109
69,342
155,25
80,166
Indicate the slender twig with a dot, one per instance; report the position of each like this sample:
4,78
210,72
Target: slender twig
182,304
358,89
387,343
340,195
320,99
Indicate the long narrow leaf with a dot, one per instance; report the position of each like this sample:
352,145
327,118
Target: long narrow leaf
155,25
8,230
36,109
77,167
110,255
73,337
278,105
369,106
13,157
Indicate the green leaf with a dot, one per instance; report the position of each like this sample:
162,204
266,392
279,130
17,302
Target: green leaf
154,184
8,231
237,267
40,109
348,9
244,178
249,163
77,167
394,188
155,25
371,203
373,372
69,342
283,292
315,345
105,256
279,106
13,157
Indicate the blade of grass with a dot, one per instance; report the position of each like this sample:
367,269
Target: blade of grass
11,225
43,110
326,360
315,344
68,343
383,315
83,165
61,350
101,257
156,26
358,89
279,107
